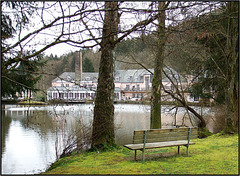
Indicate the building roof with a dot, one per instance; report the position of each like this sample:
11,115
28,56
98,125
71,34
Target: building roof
72,88
126,76
131,76
70,76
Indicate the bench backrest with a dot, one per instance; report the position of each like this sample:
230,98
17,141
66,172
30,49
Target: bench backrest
164,135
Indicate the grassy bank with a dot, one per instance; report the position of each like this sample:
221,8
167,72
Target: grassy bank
217,154
32,102
173,103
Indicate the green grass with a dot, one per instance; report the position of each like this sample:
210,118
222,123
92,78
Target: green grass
217,154
32,102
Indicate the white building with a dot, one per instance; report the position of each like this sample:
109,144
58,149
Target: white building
134,84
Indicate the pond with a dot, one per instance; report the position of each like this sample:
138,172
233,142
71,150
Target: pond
31,136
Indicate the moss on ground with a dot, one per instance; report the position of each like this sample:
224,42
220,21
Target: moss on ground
217,154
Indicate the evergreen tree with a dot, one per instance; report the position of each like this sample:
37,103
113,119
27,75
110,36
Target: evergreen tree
21,78
87,65
18,71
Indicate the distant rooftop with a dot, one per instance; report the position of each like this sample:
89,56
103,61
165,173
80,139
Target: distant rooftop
126,76
76,88
70,76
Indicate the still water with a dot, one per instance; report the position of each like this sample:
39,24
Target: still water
31,136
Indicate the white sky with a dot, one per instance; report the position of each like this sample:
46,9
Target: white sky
60,49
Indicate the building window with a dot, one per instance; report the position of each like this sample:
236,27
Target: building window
70,95
138,87
61,95
117,79
147,82
81,95
54,95
87,78
66,95
129,78
88,95
62,85
69,78
133,88
133,95
93,95
116,96
127,87
195,98
67,85
76,95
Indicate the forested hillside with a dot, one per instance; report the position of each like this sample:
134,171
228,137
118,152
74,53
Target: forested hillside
131,53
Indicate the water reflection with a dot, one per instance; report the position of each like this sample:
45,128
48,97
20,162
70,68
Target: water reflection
25,151
6,121
29,133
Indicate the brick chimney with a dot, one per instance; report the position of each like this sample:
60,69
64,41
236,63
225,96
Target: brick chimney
78,67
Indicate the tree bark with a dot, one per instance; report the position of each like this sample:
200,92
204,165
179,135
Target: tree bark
103,122
155,121
232,65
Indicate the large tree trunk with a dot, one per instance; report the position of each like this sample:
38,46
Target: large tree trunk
158,66
232,65
103,122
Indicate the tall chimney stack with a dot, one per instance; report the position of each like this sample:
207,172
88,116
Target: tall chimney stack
78,67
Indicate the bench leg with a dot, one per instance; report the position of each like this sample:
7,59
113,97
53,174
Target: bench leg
135,156
187,151
178,149
143,155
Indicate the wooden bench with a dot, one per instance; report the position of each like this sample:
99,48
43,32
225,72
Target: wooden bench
158,138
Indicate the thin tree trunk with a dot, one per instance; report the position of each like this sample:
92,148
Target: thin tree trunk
103,122
180,98
157,76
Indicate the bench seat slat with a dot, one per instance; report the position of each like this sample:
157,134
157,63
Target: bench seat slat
165,134
164,137
160,139
181,133
161,130
157,145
